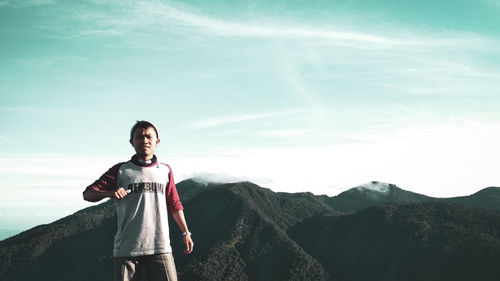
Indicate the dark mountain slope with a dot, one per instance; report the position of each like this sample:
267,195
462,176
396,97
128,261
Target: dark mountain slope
282,209
191,187
77,247
423,241
237,241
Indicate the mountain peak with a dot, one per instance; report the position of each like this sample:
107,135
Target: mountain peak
370,194
376,186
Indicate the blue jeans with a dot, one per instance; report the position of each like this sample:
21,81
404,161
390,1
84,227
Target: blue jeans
159,267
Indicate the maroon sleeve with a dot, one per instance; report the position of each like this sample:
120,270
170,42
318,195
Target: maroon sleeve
107,181
173,201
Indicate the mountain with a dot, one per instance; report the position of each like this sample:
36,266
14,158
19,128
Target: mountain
191,187
77,247
245,232
371,194
488,198
419,241
376,193
241,235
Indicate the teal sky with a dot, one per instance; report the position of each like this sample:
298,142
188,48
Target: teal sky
293,95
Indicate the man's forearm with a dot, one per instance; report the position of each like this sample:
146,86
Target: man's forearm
180,220
94,195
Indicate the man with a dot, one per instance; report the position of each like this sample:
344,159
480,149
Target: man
144,192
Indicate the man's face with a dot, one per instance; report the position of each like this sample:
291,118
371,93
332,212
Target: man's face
144,142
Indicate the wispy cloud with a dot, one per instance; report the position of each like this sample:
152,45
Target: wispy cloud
137,15
168,14
45,110
298,85
493,3
286,133
225,120
50,165
120,18
412,53
27,3
232,28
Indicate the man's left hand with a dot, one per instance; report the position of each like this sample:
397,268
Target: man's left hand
188,242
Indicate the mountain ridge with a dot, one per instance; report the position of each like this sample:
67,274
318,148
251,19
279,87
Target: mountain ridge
246,232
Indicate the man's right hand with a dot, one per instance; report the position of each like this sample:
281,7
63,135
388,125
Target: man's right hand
121,193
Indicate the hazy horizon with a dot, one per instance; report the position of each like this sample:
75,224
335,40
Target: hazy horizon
20,224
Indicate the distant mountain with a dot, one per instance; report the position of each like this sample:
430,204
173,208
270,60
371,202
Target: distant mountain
246,232
371,194
488,198
376,193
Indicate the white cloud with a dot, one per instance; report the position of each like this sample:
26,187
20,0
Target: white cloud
222,178
443,160
54,165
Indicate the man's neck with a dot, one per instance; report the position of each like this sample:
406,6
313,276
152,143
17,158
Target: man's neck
144,161
144,158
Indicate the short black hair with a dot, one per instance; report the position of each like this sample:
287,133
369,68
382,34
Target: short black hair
142,125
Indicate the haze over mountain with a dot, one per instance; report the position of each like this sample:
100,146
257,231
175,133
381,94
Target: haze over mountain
376,231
